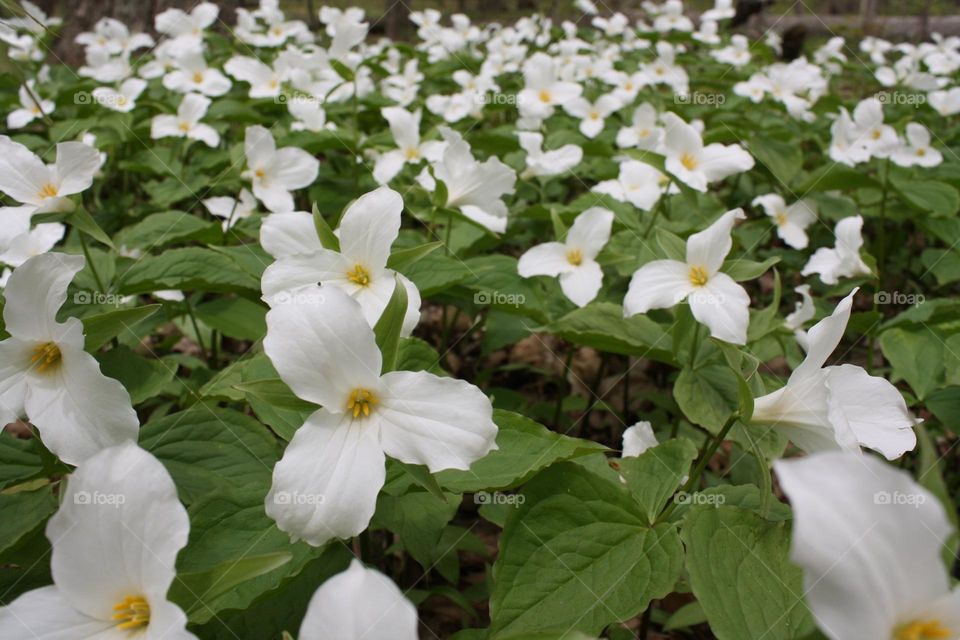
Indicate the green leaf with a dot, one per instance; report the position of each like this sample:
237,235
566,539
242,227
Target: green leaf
192,591
782,159
559,229
524,448
235,317
418,518
103,327
328,240
168,227
674,247
916,356
189,269
435,273
578,538
741,270
655,474
390,325
143,378
601,325
19,460
400,260
80,219
741,574
707,395
929,196
342,70
275,391
22,512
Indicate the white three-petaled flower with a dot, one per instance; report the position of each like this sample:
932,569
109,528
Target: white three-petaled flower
46,375
869,539
693,163
276,172
186,124
716,300
574,259
405,127
792,221
837,407
327,482
25,178
843,261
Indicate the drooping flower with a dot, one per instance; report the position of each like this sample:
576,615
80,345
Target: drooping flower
715,299
637,183
230,209
186,124
837,407
643,132
693,163
574,259
802,312
186,29
25,178
30,109
792,221
264,81
359,604
276,172
122,99
327,482
869,539
405,128
367,230
115,541
592,114
843,261
543,164
45,374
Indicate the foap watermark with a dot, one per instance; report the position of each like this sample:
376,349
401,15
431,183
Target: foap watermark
495,97
896,297
701,297
499,298
510,499
296,97
299,298
901,97
98,498
99,297
702,99
297,498
898,498
699,498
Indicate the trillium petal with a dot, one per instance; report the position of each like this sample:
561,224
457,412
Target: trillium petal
14,365
369,227
657,285
117,532
873,408
78,410
287,234
76,164
823,339
293,168
717,161
388,165
582,284
590,232
327,482
868,539
22,174
637,439
44,614
709,247
259,146
35,292
291,273
442,423
724,306
547,259
322,347
359,604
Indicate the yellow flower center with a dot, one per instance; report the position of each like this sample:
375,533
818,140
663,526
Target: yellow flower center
132,613
545,96
643,133
259,173
923,630
184,126
277,31
197,77
411,153
121,100
48,191
594,115
359,275
361,400
575,257
698,276
921,152
875,134
781,218
274,83
689,161
45,356
628,86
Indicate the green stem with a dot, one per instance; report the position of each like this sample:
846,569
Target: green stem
705,456
881,257
656,214
694,345
93,269
196,327
563,390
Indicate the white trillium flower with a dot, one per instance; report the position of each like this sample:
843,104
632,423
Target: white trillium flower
802,312
737,54
123,99
574,259
367,230
543,164
946,103
473,187
637,183
263,80
792,221
192,74
309,115
34,242
643,132
917,150
592,115
715,299
186,29
869,538
837,407
637,439
697,165
47,376
112,561
29,109
708,31
359,604
843,261
543,89
186,124
405,127
25,178
722,10
232,210
276,172
326,352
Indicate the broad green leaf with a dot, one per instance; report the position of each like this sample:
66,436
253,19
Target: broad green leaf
654,475
524,448
143,378
601,325
403,258
707,395
741,575
929,196
578,538
101,328
559,228
418,517
19,460
274,391
328,240
741,270
436,272
234,316
916,356
390,325
190,268
168,227
80,219
674,247
22,512
414,354
782,159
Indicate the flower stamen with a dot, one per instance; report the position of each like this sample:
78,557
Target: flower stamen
689,161
923,630
575,257
45,356
361,400
359,275
698,276
48,191
132,613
